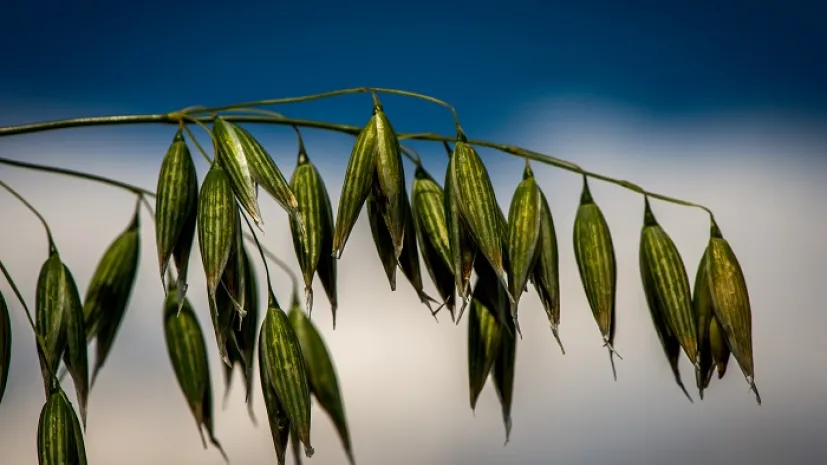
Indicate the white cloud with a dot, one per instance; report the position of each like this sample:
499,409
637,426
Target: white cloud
404,376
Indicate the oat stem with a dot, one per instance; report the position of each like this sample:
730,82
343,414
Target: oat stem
185,117
52,247
76,174
335,93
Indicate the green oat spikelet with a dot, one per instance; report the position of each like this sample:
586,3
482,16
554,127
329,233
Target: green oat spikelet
5,345
51,309
241,348
390,192
382,240
313,248
669,283
188,356
409,259
227,308
266,173
478,206
595,256
59,435
546,273
176,209
59,321
285,367
669,343
217,218
524,221
375,166
276,416
232,156
484,336
110,290
718,345
75,356
321,373
428,213
702,309
504,370
730,303
461,244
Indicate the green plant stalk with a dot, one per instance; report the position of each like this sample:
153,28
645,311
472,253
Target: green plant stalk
323,95
52,246
179,118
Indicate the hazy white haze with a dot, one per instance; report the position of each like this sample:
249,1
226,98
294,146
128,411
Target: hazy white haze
403,376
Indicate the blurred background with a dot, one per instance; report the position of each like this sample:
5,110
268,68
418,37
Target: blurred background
721,103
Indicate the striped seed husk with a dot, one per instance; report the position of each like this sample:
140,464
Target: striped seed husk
478,206
267,174
390,179
276,416
489,288
669,343
5,345
484,335
503,222
703,376
428,205
409,260
59,435
75,357
702,309
217,217
285,366
669,283
719,348
461,244
504,369
226,310
730,303
53,302
313,249
428,213
245,337
546,275
524,220
110,289
233,156
595,256
359,178
382,240
321,373
176,208
188,356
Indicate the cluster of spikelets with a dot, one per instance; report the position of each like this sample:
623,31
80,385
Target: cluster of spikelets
457,229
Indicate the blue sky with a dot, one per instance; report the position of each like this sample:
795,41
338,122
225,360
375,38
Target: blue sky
669,58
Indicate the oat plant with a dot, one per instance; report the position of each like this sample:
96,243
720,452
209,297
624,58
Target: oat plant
477,257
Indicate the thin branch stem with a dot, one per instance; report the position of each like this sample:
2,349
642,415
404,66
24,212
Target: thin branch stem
195,140
284,266
411,155
52,247
299,139
260,252
178,117
335,93
77,174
